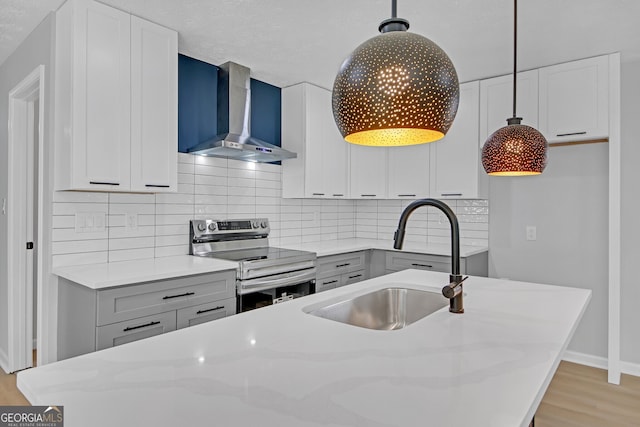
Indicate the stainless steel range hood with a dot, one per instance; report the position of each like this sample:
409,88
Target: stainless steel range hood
234,138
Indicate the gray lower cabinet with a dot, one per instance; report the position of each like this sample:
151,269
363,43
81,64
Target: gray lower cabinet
340,270
90,320
476,265
203,313
133,330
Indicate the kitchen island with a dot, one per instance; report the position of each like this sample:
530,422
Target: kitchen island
280,366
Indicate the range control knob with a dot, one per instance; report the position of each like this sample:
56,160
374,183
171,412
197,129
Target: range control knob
202,227
212,226
254,224
263,224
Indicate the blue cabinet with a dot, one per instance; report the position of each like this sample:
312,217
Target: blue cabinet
197,108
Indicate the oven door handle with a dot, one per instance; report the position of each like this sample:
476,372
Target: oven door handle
262,283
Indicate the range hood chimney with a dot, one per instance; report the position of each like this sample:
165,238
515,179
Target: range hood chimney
234,138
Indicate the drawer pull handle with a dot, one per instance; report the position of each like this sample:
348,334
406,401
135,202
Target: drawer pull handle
338,195
210,309
186,294
422,265
318,194
103,183
157,186
571,133
329,282
450,194
406,195
368,195
343,265
357,275
131,328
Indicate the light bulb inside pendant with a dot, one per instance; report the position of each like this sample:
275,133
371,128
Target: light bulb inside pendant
395,89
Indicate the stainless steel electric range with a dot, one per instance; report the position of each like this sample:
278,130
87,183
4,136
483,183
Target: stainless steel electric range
266,275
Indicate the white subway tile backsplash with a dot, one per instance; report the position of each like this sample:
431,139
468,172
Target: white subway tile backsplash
74,208
79,246
130,254
132,198
210,187
61,260
131,243
125,232
171,250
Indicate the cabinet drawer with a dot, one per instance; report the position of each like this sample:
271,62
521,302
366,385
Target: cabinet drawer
119,304
203,313
353,277
397,261
327,283
339,264
134,330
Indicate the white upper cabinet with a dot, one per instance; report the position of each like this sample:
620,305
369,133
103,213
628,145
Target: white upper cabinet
368,172
574,100
112,103
456,171
308,129
154,107
408,171
496,102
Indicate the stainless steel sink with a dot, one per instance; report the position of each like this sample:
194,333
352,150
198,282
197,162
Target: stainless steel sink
385,309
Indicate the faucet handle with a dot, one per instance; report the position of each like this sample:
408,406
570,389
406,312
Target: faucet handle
454,288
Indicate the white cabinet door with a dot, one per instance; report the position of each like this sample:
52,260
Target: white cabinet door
456,171
335,153
574,100
154,107
368,171
101,97
408,171
308,129
496,102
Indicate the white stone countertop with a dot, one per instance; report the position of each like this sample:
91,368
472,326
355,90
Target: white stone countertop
106,275
332,247
281,367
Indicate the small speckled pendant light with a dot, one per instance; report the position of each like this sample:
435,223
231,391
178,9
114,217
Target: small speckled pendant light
395,89
515,149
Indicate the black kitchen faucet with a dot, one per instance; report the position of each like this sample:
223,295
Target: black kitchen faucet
453,290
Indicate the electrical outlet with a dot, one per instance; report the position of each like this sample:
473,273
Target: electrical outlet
531,232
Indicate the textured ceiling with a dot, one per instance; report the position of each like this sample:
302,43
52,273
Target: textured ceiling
288,41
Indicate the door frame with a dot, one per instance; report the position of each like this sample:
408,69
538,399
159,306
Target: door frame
20,296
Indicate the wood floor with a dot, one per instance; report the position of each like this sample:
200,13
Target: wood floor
579,396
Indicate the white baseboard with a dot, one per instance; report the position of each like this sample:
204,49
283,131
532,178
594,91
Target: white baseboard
628,368
4,361
585,359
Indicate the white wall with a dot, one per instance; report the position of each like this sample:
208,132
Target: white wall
630,247
568,204
35,50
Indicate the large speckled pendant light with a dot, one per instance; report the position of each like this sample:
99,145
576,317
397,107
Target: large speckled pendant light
395,89
515,149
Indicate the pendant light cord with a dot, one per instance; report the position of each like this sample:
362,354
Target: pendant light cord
394,8
515,53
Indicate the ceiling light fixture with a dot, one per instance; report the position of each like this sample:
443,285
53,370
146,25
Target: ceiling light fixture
395,89
515,149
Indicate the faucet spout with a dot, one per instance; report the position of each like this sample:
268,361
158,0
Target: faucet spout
453,290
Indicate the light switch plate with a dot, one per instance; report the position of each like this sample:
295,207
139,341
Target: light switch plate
131,221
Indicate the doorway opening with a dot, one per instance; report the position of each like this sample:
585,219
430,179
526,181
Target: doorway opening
24,209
